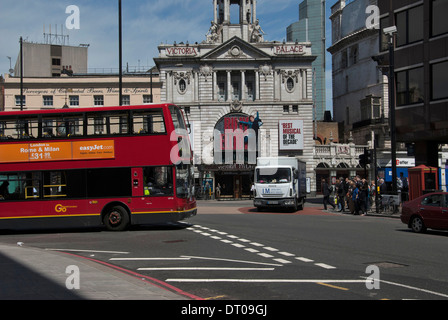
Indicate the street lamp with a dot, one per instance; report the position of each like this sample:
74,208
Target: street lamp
390,31
120,53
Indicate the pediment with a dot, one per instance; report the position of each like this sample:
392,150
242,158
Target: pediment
235,49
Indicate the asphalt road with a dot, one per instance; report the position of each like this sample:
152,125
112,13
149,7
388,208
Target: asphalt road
231,252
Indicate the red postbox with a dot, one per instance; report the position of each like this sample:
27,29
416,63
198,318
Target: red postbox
422,179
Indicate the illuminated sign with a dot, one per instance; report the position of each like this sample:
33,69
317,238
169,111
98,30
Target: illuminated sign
57,151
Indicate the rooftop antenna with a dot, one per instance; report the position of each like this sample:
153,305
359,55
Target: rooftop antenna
55,38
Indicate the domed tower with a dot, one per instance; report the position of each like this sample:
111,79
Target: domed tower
247,28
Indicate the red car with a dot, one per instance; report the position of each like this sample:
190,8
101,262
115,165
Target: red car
427,211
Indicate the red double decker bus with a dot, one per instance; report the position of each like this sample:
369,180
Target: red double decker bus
116,166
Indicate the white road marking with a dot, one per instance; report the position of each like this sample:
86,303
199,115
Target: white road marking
325,266
92,251
268,280
205,269
232,260
146,259
282,260
256,244
304,259
414,288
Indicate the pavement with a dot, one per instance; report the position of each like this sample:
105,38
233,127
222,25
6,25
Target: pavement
36,274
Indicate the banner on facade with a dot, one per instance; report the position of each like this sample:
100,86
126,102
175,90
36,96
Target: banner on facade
290,134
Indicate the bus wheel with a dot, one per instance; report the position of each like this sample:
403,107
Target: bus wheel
116,219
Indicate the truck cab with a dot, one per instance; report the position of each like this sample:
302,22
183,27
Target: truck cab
279,183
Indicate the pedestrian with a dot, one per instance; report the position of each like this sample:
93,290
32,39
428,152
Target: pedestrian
252,190
326,192
4,192
207,191
355,198
341,194
218,191
363,198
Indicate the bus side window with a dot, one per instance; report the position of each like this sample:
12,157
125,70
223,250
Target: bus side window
20,186
55,184
158,181
149,122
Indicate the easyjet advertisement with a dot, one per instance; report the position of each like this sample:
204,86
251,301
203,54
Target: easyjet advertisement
57,151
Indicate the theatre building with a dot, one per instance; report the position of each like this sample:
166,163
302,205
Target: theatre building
231,75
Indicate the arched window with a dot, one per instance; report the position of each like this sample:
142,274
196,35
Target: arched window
290,85
182,86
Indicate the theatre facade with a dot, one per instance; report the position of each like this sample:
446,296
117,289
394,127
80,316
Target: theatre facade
231,75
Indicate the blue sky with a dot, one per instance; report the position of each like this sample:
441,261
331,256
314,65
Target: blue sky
146,24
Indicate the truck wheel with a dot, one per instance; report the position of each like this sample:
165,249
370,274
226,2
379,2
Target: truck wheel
295,208
116,219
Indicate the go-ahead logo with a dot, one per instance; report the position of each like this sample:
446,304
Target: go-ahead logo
60,208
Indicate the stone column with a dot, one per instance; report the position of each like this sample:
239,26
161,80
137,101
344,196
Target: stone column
243,85
215,88
226,11
229,85
215,11
257,85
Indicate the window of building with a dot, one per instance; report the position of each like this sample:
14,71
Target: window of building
48,101
74,101
439,23
290,85
409,26
439,79
286,109
221,91
126,100
147,98
344,62
98,101
354,54
17,98
182,86
410,86
56,62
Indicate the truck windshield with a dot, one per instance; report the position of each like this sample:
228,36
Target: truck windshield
273,175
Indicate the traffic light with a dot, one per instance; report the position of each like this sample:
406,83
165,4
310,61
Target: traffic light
369,157
362,160
365,158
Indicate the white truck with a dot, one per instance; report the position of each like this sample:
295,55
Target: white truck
280,182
